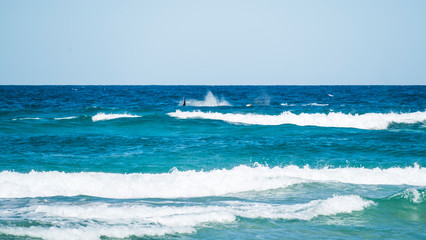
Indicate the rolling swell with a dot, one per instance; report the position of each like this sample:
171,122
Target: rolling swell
408,205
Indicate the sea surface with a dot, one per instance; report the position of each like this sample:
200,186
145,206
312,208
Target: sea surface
237,162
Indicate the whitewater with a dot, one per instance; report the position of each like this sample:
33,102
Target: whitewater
374,121
177,184
236,162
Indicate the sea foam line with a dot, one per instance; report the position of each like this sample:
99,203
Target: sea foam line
104,116
27,118
375,121
123,219
178,184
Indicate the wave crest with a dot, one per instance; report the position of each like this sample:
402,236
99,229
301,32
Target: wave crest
373,121
178,184
104,116
411,194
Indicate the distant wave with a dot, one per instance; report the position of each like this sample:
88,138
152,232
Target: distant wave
306,104
98,117
66,118
315,104
286,104
26,118
104,116
193,183
120,220
362,121
209,101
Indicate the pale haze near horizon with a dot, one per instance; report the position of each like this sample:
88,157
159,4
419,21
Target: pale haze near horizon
213,42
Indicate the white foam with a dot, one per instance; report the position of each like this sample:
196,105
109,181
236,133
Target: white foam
375,121
26,118
315,104
178,184
65,118
412,194
286,104
415,196
209,101
140,219
94,232
305,211
104,116
196,215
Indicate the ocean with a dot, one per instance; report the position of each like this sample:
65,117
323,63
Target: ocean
237,162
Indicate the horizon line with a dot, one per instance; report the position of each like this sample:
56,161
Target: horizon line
268,85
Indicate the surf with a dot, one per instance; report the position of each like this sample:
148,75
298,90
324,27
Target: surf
121,220
181,184
104,117
368,121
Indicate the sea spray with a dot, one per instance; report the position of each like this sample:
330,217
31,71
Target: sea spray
209,101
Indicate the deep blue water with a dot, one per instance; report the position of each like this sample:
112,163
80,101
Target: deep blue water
237,162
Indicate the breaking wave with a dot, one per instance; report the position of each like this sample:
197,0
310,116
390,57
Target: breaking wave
191,183
104,116
411,194
376,121
209,101
121,220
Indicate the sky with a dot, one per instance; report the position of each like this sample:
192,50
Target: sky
193,42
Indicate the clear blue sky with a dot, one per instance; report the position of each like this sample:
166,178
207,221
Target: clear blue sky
213,42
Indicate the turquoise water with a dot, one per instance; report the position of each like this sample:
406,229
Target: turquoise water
237,162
